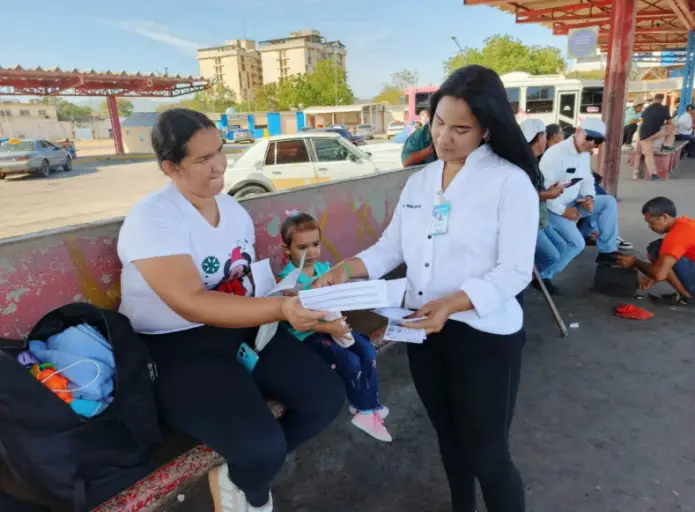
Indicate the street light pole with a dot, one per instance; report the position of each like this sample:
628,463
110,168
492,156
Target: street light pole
456,42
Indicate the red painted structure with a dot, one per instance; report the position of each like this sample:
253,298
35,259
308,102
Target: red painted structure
625,26
56,82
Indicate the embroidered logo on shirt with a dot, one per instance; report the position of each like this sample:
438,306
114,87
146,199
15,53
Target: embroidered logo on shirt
414,206
210,265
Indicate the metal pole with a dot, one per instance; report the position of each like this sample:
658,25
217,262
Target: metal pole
687,90
551,304
115,124
622,36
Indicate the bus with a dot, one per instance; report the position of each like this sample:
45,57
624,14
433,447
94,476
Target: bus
553,98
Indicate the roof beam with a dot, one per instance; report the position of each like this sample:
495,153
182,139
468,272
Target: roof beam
588,20
682,10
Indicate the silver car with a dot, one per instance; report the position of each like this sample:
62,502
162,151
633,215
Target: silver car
32,156
366,131
243,136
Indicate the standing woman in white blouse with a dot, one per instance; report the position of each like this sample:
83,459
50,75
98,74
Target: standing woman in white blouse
466,227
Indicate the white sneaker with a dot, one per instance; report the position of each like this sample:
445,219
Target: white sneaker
233,499
383,412
624,245
373,425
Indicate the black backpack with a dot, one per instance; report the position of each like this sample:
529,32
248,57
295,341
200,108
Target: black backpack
80,462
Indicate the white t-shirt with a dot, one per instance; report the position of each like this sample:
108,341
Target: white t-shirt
165,224
684,123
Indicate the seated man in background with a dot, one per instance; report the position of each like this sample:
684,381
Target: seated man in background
656,125
553,253
684,126
570,162
633,116
418,148
671,258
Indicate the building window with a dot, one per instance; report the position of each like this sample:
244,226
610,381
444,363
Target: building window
24,113
539,100
43,113
6,113
513,96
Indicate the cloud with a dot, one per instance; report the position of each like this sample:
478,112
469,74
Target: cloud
156,32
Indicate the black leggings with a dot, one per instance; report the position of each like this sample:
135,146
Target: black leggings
205,393
468,382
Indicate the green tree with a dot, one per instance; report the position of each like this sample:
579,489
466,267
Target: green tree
504,54
125,108
74,113
404,79
389,94
329,84
218,98
597,74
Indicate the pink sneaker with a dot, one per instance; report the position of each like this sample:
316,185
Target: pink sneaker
383,412
373,425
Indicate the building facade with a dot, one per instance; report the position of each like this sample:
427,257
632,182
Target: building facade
236,64
297,54
32,121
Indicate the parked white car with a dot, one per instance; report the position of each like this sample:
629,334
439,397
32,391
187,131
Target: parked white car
288,161
394,128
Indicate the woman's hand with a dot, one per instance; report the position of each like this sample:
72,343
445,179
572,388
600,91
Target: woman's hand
437,312
337,328
336,275
300,318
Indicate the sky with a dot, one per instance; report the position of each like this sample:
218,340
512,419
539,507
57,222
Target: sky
382,37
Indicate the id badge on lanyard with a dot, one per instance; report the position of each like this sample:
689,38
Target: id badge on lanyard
439,223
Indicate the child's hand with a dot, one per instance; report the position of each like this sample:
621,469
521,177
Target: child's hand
338,328
336,275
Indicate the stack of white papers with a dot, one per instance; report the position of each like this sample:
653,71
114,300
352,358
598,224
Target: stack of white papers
397,331
264,279
346,297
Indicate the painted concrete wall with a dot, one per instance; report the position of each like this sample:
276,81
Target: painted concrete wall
42,271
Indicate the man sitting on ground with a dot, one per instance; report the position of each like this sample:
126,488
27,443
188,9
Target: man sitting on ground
656,125
570,162
418,148
671,258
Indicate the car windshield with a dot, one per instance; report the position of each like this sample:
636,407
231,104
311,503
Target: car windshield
10,145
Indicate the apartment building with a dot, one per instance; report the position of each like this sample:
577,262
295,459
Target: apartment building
32,121
236,64
298,54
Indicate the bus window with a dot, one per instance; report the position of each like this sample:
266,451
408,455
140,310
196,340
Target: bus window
592,100
539,100
513,96
422,102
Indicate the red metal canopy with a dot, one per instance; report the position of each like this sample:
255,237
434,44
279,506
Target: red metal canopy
17,81
661,24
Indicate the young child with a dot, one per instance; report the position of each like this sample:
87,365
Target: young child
354,361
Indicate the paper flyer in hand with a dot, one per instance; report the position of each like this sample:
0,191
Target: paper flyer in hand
265,280
397,332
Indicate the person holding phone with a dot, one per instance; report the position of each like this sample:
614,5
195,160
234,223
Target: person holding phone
569,160
553,252
466,227
187,289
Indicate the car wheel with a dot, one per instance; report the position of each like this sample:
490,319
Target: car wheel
45,170
2,177
248,191
68,165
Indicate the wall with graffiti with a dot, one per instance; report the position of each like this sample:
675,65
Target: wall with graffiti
43,271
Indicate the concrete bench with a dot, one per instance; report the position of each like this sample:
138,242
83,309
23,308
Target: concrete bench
40,272
666,161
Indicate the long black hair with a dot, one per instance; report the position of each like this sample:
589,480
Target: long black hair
482,89
173,129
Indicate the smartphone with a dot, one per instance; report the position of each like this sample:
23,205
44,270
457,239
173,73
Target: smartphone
573,182
247,357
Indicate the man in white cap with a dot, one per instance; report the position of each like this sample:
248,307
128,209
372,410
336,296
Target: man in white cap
553,253
569,163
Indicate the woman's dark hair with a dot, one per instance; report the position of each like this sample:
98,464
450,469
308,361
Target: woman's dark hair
173,129
482,89
552,130
297,222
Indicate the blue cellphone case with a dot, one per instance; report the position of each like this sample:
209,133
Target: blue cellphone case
247,357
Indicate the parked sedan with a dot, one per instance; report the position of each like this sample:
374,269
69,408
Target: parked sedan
32,156
357,140
243,136
366,131
395,127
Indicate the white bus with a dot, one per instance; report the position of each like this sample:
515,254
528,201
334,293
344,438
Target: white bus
568,101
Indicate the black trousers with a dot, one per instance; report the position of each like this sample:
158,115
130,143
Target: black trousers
468,382
629,131
205,393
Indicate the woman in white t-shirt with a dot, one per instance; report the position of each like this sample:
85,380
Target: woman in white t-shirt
186,287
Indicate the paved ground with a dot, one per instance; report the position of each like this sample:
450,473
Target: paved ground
604,421
89,193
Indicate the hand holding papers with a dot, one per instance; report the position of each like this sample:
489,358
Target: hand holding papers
265,281
355,296
396,331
